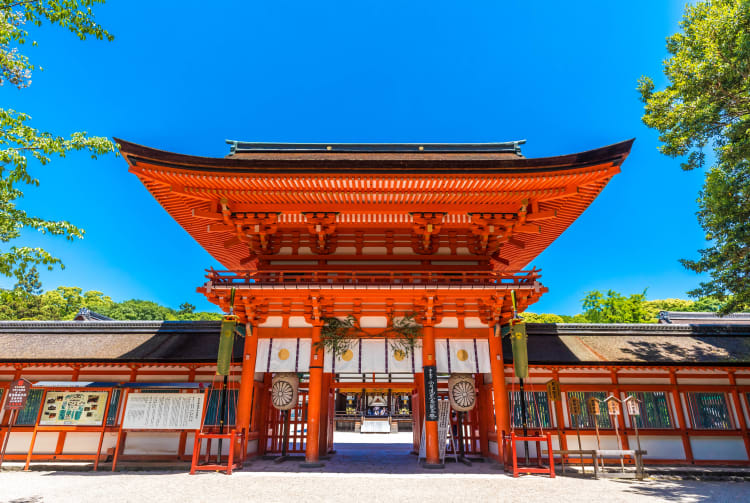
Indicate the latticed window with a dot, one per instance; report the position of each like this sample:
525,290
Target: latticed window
654,409
213,414
586,420
709,411
114,402
537,409
27,416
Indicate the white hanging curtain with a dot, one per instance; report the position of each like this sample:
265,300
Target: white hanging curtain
283,355
377,356
373,356
466,356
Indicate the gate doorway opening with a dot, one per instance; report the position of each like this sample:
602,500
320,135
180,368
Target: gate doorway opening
372,418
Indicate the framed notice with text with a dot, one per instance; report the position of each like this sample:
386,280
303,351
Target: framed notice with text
163,411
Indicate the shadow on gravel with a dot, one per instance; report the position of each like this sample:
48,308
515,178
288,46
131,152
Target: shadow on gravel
680,490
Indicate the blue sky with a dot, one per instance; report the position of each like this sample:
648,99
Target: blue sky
185,76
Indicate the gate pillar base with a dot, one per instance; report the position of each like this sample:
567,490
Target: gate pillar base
312,464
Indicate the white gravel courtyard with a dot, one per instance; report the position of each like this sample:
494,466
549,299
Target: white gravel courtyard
369,470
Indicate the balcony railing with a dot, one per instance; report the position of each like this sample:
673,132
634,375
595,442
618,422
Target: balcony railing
483,279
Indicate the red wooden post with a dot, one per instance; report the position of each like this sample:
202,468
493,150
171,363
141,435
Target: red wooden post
33,436
551,456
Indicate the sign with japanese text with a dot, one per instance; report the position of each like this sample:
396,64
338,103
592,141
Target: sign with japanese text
613,407
163,411
574,405
553,390
592,405
18,393
633,408
431,393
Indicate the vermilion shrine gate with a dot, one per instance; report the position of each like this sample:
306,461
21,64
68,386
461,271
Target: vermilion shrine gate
313,231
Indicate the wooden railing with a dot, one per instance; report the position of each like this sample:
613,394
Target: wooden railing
386,278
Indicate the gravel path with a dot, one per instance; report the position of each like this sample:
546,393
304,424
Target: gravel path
360,472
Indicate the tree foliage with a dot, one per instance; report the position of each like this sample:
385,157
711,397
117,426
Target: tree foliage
20,142
26,302
617,308
707,105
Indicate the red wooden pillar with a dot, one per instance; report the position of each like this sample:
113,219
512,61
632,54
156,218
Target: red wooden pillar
742,425
247,380
621,416
497,366
560,416
432,447
483,406
681,417
263,421
417,399
312,453
325,411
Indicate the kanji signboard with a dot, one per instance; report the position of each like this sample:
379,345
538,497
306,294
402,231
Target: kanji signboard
18,392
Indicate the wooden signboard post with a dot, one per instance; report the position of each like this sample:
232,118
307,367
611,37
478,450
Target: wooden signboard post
613,408
553,395
634,411
66,409
574,406
18,393
158,412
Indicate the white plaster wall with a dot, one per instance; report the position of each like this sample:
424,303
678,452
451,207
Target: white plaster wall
151,443
588,441
703,382
373,321
87,442
252,446
448,323
19,443
493,448
521,448
641,380
162,378
473,322
718,448
273,322
124,377
659,447
298,322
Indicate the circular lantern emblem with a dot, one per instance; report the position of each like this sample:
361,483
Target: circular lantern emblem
461,392
284,391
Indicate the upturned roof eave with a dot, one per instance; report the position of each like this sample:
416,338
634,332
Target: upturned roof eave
368,162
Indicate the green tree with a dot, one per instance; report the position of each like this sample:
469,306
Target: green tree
707,104
20,142
542,318
615,308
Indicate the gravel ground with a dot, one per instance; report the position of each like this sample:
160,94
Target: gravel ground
369,470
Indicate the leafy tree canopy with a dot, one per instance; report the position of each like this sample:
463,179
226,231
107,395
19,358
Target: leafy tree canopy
706,104
64,302
20,142
617,308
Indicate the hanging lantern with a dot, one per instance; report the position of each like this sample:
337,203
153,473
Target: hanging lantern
462,393
226,345
518,343
284,391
